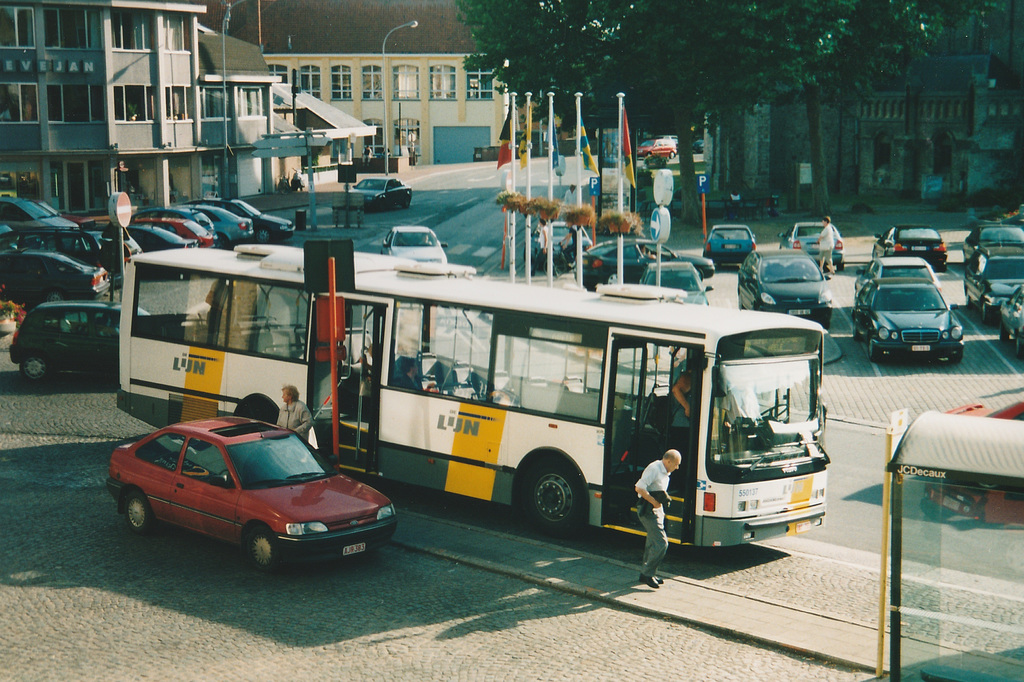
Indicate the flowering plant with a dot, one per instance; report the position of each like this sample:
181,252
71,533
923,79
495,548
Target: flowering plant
614,222
9,310
545,208
510,201
582,216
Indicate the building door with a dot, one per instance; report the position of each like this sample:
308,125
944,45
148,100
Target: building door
456,144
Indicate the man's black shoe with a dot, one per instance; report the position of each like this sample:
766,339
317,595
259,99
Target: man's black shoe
650,582
659,580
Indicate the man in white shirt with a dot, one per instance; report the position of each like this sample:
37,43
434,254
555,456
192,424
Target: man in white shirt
652,493
826,242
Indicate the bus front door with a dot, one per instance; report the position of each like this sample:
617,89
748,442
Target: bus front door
638,430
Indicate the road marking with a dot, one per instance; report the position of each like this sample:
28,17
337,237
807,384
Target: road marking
458,250
471,202
484,251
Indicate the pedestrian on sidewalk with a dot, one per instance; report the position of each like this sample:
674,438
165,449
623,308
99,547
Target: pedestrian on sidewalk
826,243
294,415
652,494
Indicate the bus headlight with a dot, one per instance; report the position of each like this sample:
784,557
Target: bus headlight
305,528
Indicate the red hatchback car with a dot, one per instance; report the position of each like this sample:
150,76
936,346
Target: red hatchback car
659,146
251,484
186,229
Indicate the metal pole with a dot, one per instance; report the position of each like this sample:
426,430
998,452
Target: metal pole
224,94
529,182
384,91
551,186
514,119
312,179
579,189
618,168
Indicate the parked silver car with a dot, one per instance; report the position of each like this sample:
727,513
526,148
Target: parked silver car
804,237
230,229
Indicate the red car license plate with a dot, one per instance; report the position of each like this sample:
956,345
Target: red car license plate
920,348
354,549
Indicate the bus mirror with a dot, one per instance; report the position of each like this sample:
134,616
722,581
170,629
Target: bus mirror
323,319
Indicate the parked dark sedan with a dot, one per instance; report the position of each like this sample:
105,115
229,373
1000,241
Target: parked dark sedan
266,227
21,214
912,240
158,238
992,234
72,242
785,282
34,276
601,261
907,316
381,193
990,278
67,335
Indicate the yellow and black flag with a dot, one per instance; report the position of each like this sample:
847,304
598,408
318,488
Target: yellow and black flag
524,152
505,141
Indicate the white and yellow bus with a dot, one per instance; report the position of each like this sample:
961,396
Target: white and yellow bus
553,399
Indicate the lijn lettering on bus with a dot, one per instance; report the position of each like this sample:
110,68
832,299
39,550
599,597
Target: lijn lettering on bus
909,470
458,424
189,365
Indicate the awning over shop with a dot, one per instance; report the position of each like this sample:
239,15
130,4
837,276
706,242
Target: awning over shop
337,124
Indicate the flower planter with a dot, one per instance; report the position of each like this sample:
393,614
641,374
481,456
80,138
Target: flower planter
8,326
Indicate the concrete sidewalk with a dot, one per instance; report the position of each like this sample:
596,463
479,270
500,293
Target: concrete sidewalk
601,579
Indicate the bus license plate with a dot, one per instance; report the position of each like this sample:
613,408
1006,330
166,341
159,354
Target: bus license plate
803,526
923,349
354,549
800,311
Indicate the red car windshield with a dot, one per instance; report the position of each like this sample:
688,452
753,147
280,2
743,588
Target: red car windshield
276,460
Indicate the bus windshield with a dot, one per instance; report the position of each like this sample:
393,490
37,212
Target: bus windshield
764,412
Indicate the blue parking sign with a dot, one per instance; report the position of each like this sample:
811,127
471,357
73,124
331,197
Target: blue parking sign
702,183
595,187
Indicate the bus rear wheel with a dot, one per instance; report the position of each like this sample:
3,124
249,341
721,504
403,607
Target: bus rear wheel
554,498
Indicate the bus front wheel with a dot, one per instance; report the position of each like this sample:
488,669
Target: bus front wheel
554,497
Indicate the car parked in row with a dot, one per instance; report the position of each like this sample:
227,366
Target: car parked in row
803,236
681,276
658,146
67,336
912,240
729,243
990,278
178,213
84,246
22,214
249,483
183,227
32,277
83,222
987,235
414,242
907,316
158,238
228,229
601,261
1011,321
266,228
381,193
895,266
785,282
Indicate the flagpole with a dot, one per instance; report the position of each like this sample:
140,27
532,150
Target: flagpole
618,248
529,186
551,187
579,188
512,231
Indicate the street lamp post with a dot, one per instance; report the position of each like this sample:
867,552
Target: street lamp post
384,89
224,89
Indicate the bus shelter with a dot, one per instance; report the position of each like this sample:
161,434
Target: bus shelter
957,590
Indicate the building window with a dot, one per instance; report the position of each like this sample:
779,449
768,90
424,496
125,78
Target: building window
479,85
133,103
372,84
407,136
341,82
18,102
252,102
130,30
16,27
943,154
279,70
211,101
75,103
406,82
376,143
176,102
882,153
175,34
442,82
72,28
309,80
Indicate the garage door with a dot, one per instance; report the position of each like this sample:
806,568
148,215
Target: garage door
456,144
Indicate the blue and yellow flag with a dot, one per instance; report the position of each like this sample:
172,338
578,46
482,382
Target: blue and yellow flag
588,158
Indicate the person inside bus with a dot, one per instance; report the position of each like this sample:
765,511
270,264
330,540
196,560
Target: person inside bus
407,375
652,494
294,415
679,426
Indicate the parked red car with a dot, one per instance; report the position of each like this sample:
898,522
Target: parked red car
187,229
251,484
988,505
659,146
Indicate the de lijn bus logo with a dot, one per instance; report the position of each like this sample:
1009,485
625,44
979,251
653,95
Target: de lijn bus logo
191,364
462,422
